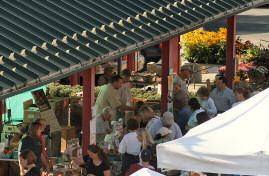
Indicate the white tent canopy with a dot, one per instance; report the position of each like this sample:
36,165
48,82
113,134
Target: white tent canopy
146,172
235,142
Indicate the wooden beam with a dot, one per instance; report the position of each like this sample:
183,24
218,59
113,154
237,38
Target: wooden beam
88,102
230,50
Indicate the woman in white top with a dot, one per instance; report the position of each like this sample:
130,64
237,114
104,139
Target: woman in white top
130,146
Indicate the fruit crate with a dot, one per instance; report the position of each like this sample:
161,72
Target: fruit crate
6,156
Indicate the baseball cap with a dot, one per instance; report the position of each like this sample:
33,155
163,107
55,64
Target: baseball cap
108,67
186,67
164,131
169,118
126,73
146,155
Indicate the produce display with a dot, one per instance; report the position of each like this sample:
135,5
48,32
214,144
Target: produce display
145,94
58,90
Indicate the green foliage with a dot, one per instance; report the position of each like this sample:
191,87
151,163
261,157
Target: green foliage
193,95
145,94
58,90
97,90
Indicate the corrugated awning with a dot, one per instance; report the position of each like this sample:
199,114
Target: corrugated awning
45,40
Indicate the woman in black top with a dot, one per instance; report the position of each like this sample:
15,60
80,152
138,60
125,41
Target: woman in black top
97,163
33,143
27,160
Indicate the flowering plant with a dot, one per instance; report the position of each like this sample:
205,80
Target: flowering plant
205,47
242,72
222,70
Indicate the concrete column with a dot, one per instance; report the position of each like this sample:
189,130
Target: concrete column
165,73
230,50
88,102
75,79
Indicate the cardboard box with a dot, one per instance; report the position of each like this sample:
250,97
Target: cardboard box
67,133
60,106
53,144
30,114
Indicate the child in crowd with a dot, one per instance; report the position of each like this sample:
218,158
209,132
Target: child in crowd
202,117
146,156
195,108
206,103
28,160
145,138
130,146
241,95
163,135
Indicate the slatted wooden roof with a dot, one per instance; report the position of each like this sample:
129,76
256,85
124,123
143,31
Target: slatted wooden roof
45,40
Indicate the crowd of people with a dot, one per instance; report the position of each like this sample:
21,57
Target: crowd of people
143,131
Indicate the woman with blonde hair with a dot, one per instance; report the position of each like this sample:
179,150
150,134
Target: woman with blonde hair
138,106
145,138
147,117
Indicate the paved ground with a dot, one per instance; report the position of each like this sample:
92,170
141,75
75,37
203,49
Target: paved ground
252,25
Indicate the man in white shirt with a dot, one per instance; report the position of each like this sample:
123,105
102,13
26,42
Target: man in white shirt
124,93
102,125
183,75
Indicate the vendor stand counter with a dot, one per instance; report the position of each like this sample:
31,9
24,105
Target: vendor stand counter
9,167
115,170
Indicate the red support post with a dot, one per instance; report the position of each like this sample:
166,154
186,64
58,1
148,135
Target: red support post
75,79
174,49
88,102
131,62
230,50
165,74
